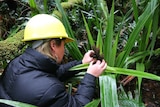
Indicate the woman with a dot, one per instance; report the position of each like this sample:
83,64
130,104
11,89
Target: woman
35,76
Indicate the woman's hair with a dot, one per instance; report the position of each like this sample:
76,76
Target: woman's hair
45,47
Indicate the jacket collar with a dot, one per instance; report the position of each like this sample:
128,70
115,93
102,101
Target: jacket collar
36,60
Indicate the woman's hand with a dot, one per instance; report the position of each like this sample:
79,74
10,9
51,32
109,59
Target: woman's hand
87,57
96,69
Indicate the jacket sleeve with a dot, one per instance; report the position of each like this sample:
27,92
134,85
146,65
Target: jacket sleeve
63,73
83,96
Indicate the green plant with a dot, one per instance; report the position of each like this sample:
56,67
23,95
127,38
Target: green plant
129,98
15,103
107,42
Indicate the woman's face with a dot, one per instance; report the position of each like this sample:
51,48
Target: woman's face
59,51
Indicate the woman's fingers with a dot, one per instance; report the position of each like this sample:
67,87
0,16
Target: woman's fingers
97,68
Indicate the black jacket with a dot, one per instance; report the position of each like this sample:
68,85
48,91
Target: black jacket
35,79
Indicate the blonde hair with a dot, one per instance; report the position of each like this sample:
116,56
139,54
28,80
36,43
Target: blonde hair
46,50
43,46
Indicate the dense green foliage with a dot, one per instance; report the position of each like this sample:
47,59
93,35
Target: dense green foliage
125,32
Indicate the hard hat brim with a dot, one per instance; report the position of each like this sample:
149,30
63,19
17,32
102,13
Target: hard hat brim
68,39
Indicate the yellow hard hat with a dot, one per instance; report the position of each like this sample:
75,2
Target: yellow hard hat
44,26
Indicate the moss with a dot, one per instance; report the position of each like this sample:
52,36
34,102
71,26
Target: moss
11,47
70,3
67,5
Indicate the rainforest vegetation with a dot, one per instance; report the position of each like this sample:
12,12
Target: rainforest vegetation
126,33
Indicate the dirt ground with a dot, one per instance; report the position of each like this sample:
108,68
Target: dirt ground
151,89
151,93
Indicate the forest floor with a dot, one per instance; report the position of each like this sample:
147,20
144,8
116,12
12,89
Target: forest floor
150,89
